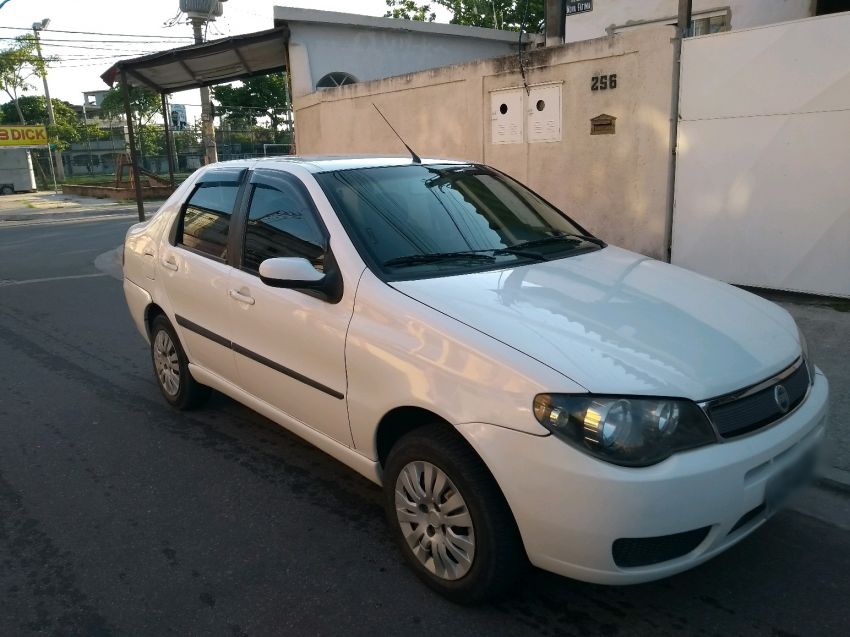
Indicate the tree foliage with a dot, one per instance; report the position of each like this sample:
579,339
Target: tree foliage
68,128
19,63
144,105
259,97
492,14
409,10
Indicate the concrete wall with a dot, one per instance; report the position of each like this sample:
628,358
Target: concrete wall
762,188
744,14
615,185
16,169
370,53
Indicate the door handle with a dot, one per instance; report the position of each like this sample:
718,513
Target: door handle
241,297
168,263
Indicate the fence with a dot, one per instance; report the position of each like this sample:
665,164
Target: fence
95,161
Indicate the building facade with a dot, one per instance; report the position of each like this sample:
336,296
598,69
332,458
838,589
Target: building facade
586,19
329,49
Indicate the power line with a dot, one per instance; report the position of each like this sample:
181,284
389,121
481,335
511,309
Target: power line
108,48
47,40
117,35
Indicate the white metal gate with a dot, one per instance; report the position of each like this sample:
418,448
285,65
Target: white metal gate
763,168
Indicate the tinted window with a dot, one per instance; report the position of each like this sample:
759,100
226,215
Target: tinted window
281,222
410,212
206,220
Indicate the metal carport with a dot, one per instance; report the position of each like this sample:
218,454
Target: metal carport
189,67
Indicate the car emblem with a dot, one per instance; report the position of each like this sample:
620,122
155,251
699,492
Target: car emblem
780,395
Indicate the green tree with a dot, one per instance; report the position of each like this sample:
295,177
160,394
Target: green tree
409,10
68,128
19,63
492,14
144,105
265,96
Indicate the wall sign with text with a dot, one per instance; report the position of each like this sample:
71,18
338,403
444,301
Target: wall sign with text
572,7
23,136
603,82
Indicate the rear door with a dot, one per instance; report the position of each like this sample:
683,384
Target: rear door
194,268
289,344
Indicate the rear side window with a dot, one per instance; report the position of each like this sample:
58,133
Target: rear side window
281,222
205,222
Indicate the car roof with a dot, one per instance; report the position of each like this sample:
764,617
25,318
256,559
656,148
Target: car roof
327,163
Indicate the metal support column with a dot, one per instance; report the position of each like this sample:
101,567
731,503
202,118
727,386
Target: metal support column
683,27
169,138
134,156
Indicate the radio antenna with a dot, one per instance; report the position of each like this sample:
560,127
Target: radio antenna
416,159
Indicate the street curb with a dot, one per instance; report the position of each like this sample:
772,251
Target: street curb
99,211
834,479
68,219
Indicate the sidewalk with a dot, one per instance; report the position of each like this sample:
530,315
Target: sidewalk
45,206
826,323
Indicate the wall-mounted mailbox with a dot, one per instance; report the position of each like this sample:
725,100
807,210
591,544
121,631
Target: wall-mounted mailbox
603,125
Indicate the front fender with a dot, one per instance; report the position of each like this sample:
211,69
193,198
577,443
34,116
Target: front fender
400,352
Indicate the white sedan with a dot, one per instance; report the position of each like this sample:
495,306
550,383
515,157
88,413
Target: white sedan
522,390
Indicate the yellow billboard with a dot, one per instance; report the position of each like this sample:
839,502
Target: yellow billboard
23,136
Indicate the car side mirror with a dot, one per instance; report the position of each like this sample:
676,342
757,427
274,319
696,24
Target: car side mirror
289,271
298,273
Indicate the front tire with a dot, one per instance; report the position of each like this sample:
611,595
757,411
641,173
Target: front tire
171,368
449,517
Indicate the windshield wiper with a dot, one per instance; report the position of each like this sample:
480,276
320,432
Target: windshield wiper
417,259
555,238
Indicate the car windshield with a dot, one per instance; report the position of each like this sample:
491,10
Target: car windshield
416,221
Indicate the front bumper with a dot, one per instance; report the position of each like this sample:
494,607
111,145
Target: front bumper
570,507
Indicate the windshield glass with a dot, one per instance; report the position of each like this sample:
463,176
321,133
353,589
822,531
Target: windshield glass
417,220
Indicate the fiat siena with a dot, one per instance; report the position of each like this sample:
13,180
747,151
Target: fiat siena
522,390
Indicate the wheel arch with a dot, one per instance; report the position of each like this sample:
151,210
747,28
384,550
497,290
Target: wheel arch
151,312
400,421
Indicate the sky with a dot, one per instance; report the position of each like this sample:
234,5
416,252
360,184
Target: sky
84,57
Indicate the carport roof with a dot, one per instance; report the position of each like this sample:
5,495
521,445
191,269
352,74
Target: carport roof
198,65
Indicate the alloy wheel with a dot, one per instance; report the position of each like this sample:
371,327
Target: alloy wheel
167,363
435,520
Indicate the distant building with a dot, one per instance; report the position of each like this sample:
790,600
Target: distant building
329,49
574,20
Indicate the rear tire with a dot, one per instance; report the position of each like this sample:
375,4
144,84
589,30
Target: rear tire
7,190
171,368
449,517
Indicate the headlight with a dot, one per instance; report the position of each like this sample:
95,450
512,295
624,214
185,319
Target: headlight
633,432
804,346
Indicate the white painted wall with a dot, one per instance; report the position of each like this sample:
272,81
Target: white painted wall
744,14
763,174
369,53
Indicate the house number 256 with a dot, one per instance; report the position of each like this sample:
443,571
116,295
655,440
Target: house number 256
603,82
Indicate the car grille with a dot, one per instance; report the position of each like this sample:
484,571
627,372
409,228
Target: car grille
750,410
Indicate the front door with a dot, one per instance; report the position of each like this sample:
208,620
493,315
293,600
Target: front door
289,344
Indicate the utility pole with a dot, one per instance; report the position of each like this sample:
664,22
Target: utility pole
207,130
200,13
36,28
86,129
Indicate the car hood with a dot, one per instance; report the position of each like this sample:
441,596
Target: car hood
618,322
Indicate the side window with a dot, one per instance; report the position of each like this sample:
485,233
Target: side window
282,223
206,217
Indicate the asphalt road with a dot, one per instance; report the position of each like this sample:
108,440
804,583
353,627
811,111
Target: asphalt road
121,516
